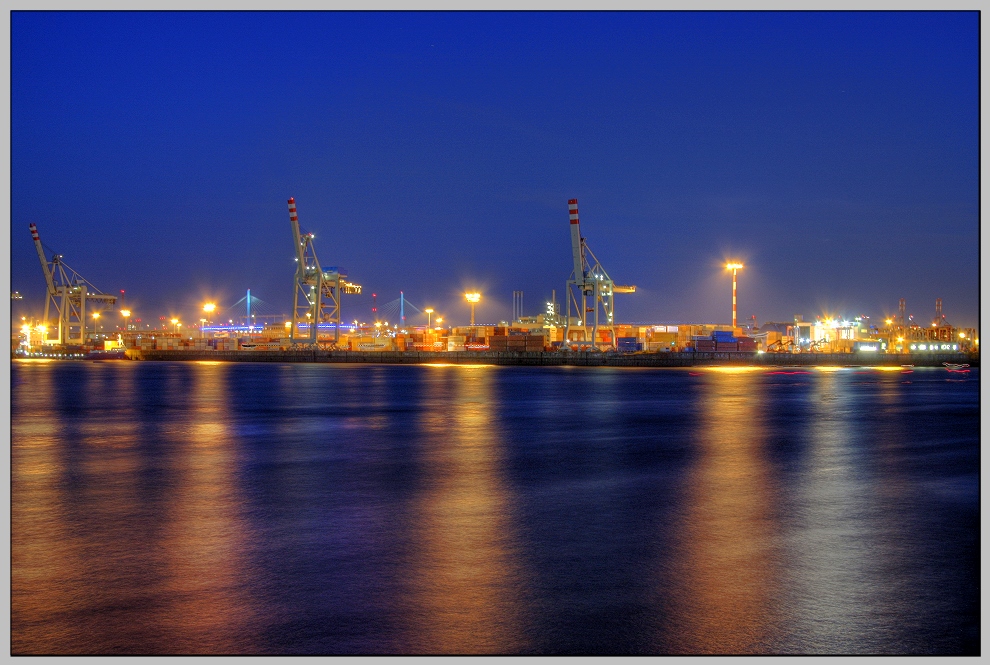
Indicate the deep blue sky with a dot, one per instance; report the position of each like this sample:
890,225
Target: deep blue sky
836,154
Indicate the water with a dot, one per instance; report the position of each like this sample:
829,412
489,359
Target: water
242,508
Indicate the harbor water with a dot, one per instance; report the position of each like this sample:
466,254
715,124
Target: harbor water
277,508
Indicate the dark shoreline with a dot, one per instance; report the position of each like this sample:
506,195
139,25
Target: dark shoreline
564,359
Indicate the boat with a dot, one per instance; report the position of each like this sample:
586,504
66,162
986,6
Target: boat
956,367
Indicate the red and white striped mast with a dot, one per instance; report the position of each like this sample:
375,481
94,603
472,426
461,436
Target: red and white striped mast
734,267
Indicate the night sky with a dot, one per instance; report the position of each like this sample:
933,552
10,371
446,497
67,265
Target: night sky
835,154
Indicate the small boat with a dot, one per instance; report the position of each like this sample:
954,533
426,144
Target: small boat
954,367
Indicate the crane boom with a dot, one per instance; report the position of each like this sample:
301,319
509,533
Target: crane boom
576,248
49,279
300,244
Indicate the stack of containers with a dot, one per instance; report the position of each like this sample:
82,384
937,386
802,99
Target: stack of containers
628,344
167,343
703,343
517,343
725,341
498,342
227,344
535,343
747,344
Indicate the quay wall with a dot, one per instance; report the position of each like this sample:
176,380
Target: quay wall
571,358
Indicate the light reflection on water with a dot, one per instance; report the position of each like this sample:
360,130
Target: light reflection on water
203,537
255,508
727,585
462,582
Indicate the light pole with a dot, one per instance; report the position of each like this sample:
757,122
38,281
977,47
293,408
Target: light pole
209,308
472,298
429,317
734,267
175,326
126,313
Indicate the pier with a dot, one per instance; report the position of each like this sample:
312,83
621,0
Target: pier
584,359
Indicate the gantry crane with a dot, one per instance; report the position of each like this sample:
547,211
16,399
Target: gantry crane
70,294
589,280
316,292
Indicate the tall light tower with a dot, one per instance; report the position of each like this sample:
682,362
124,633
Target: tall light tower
734,267
472,298
429,317
209,308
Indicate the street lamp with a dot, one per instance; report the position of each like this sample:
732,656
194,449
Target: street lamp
209,308
429,316
126,313
472,298
734,267
175,325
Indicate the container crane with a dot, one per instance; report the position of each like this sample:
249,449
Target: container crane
70,294
589,280
316,292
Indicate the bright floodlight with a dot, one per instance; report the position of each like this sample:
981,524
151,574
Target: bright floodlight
733,266
209,307
472,298
125,313
96,315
